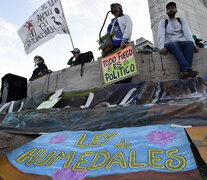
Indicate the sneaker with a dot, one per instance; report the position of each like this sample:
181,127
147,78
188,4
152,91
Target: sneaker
193,74
184,75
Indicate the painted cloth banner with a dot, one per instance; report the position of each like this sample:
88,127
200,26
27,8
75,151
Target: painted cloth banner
199,137
93,154
96,119
47,21
175,92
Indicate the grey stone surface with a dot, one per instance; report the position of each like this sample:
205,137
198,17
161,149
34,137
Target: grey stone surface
70,79
152,67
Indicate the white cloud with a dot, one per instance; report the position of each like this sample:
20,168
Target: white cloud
12,59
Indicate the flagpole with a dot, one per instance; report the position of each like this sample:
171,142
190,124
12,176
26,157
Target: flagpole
67,25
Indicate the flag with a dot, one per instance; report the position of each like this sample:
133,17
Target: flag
47,21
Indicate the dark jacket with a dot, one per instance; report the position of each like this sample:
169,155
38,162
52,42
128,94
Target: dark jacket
41,69
73,62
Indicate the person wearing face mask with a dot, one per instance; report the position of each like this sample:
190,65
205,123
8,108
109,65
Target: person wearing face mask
120,27
174,36
41,69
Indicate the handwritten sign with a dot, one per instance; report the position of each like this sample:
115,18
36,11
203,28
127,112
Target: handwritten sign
48,104
44,24
119,65
151,148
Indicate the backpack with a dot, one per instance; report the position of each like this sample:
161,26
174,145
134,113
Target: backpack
84,58
178,19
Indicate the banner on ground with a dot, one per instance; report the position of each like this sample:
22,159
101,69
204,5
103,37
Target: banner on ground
199,137
119,65
47,21
158,150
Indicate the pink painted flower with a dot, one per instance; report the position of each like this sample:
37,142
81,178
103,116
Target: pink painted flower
161,137
57,139
67,173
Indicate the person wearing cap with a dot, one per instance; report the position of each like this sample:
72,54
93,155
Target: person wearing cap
175,37
121,27
75,52
41,69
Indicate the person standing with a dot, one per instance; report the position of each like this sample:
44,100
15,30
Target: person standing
121,27
174,36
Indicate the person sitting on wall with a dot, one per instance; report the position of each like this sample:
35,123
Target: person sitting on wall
174,36
75,52
41,69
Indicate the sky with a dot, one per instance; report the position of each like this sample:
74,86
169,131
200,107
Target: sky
84,19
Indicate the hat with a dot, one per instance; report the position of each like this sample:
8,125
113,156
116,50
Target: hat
75,50
171,4
117,5
36,59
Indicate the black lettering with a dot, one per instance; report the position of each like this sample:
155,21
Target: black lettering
130,52
121,68
123,55
111,77
42,25
127,71
106,76
119,55
118,65
105,63
114,75
43,16
44,6
127,54
52,2
132,68
32,33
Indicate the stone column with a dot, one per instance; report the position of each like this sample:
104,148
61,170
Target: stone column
157,12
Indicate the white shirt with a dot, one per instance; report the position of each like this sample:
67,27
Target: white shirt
173,32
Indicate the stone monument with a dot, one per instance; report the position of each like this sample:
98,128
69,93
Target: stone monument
194,11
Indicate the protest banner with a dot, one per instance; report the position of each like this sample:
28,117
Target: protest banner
157,150
47,21
119,65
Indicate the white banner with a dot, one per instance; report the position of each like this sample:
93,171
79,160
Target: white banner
47,21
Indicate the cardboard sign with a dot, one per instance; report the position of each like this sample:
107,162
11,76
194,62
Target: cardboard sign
119,65
157,148
48,104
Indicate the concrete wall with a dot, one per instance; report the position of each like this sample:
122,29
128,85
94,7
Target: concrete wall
152,67
70,79
194,11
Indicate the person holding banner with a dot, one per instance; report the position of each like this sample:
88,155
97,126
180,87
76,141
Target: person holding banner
121,30
120,27
41,69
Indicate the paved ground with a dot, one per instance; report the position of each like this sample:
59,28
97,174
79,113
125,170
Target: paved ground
9,141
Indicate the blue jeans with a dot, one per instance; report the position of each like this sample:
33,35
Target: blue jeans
183,52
